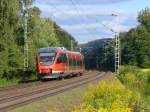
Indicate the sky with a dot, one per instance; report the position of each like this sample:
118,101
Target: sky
88,20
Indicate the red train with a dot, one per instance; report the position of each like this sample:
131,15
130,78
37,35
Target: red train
57,62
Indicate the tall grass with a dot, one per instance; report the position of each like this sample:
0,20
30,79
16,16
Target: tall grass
11,80
138,80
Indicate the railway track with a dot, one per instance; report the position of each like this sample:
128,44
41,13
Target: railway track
7,103
19,89
26,85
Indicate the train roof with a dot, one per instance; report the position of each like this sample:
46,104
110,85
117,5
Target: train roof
73,52
51,49
56,49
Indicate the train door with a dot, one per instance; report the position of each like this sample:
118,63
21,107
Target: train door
76,64
61,63
65,63
68,64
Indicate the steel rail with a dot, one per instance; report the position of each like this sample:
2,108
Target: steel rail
24,85
36,90
13,102
18,90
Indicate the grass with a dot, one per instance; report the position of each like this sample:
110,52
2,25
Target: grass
145,70
14,81
5,82
147,103
147,89
138,80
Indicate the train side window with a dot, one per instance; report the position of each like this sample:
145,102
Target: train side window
59,60
62,58
79,63
70,61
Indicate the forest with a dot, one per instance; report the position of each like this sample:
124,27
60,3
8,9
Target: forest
42,32
135,44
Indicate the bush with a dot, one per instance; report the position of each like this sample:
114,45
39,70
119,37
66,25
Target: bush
109,97
147,83
138,80
132,77
135,78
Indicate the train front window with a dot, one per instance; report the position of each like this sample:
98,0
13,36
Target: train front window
47,58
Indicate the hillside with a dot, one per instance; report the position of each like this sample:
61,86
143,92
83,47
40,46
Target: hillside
96,44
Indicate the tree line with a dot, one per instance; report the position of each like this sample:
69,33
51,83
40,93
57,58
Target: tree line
135,44
42,32
134,49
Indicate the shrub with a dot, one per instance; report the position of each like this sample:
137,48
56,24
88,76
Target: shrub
132,77
136,79
147,83
109,97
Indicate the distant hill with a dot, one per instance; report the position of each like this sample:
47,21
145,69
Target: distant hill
96,44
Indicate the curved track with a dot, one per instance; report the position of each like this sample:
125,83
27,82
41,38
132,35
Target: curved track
26,84
29,94
23,88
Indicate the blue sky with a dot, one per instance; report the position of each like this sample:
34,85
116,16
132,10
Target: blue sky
84,19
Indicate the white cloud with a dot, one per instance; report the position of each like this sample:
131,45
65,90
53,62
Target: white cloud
117,24
81,26
79,1
65,12
87,38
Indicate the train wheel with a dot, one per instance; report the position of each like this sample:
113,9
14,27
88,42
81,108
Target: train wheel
78,74
81,74
38,76
60,77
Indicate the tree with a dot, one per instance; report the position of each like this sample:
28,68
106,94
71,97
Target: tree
144,17
9,24
42,32
135,44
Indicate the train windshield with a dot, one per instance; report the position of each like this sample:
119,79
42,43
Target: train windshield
47,58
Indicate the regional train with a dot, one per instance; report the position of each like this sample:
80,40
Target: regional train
58,62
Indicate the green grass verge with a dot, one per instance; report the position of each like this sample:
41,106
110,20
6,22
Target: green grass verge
5,82
14,81
138,80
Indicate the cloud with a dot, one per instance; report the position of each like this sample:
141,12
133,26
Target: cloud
68,13
58,2
116,24
87,38
81,26
84,19
65,11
